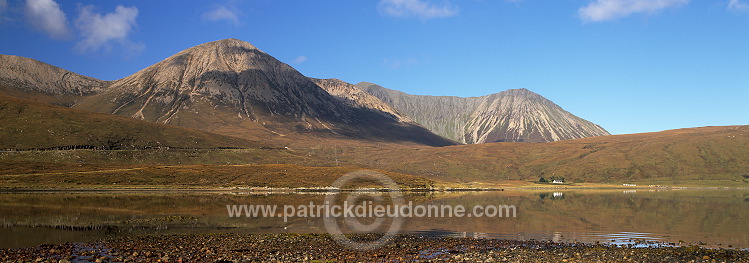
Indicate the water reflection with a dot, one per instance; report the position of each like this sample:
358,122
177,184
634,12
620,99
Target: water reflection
551,196
715,217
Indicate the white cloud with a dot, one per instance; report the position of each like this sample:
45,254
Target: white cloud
100,30
602,10
738,5
300,60
222,13
416,8
47,16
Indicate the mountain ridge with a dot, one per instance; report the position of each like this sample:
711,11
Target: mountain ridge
35,80
351,95
515,115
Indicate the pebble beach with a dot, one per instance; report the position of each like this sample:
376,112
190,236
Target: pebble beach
322,248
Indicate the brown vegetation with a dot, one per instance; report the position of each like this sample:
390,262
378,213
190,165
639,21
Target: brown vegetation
31,125
668,157
190,176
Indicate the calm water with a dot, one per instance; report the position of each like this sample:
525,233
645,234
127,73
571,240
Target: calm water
717,218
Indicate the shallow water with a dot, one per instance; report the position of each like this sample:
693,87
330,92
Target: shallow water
714,218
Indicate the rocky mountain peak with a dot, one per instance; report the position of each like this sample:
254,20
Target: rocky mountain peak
517,97
229,42
228,72
223,55
521,93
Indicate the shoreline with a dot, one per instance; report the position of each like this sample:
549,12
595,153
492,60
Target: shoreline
307,190
321,247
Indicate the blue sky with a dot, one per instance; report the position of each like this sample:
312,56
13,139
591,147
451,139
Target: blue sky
629,65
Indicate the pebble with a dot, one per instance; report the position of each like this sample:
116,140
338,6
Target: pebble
321,247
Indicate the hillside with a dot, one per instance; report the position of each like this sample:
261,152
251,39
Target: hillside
31,79
517,115
33,125
695,156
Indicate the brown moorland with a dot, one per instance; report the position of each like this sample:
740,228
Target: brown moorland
200,176
67,140
708,156
691,156
31,125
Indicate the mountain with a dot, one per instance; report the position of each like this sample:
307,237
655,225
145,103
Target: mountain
28,125
516,115
31,79
230,87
